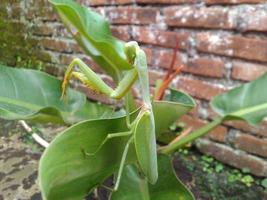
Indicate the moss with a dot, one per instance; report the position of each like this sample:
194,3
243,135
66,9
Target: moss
17,47
213,185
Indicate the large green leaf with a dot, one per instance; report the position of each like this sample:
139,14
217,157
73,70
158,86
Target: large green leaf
62,164
35,95
92,32
247,102
67,171
168,186
172,108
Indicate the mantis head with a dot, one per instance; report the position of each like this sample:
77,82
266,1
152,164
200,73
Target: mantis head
130,50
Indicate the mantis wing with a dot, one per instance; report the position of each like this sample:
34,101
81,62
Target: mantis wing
144,136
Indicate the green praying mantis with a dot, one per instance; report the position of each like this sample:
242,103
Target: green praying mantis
142,129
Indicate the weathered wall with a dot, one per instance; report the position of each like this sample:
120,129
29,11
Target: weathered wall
222,44
17,47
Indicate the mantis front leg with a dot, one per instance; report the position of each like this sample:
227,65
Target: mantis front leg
93,80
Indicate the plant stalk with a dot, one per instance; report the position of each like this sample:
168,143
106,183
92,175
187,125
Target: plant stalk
192,136
35,136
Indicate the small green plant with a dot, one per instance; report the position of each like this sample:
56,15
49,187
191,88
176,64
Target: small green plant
264,183
101,142
236,175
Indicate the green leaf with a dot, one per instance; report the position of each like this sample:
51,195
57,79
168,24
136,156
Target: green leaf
145,145
92,111
34,95
264,183
171,109
181,97
247,102
93,33
67,171
168,186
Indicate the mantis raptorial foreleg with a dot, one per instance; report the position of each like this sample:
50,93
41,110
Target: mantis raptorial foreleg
93,80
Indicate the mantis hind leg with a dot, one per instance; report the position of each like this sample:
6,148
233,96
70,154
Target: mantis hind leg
122,163
123,159
109,136
124,154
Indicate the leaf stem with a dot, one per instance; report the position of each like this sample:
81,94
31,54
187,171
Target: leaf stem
190,137
35,136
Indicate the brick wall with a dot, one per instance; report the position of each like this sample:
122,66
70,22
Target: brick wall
222,43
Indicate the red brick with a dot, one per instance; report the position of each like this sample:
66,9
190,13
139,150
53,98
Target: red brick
199,89
121,32
255,19
250,144
160,38
218,134
75,48
16,11
66,59
43,56
211,2
188,16
131,15
233,157
149,55
40,3
247,71
55,45
54,70
30,14
61,31
162,58
205,66
241,125
154,76
253,49
214,43
233,46
165,1
105,2
43,30
46,13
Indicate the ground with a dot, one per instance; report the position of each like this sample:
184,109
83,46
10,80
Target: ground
209,183
19,162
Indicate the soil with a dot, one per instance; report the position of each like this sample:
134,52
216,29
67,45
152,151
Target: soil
213,186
